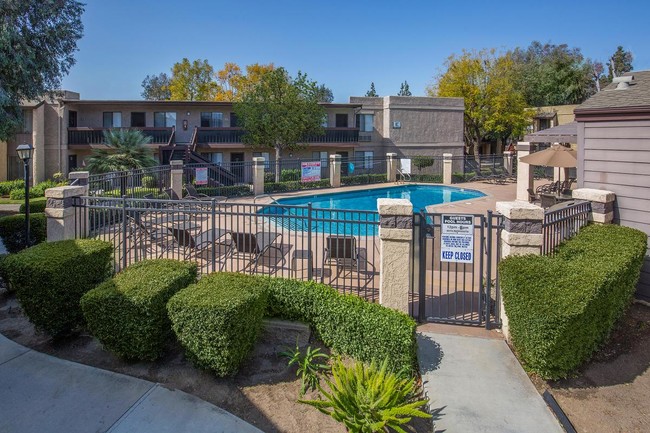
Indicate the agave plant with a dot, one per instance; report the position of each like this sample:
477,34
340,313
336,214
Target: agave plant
369,399
127,150
309,366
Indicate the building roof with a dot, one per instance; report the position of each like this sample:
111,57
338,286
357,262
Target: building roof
170,103
567,133
635,96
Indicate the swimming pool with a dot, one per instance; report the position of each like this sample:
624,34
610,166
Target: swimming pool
354,212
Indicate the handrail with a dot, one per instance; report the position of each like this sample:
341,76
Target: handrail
172,137
194,140
264,196
406,177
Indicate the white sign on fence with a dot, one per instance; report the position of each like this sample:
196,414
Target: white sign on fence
201,176
310,171
457,239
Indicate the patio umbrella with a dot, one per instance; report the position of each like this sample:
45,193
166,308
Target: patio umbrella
554,156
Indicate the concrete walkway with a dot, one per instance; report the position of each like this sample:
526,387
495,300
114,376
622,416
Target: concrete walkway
476,385
41,393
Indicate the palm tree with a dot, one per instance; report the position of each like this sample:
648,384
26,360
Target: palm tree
127,150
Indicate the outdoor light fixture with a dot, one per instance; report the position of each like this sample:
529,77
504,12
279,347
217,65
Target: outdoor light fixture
24,152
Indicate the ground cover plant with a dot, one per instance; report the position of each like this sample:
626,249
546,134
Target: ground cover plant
309,366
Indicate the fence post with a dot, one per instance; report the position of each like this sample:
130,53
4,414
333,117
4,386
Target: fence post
524,173
258,175
81,178
177,177
521,234
447,168
391,167
602,203
396,237
507,162
335,171
60,212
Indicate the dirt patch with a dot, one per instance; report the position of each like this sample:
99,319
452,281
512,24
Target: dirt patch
263,393
612,392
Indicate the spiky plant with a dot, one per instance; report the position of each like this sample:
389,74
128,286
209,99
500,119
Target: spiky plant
369,399
126,150
309,366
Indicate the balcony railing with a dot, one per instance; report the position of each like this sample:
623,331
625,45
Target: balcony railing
234,135
96,135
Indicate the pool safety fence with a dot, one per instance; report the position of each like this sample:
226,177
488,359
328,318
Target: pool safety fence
562,222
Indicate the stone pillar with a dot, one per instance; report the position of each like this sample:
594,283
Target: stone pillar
391,167
80,178
507,162
396,237
524,172
258,175
335,171
602,203
521,234
61,221
446,168
177,177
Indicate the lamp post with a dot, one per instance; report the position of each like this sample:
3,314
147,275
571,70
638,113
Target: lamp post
25,153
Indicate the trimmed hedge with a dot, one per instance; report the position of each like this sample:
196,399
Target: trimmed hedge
12,230
50,279
227,191
294,186
128,313
347,323
561,308
218,319
363,179
36,205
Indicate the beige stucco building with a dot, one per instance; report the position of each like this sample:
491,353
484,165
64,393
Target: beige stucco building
65,129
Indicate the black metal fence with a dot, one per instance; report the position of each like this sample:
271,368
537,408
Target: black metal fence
336,247
150,182
562,222
465,168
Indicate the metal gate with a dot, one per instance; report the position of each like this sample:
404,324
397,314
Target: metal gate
461,288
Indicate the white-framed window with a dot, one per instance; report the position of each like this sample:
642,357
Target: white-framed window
112,119
164,119
322,156
214,157
366,158
266,156
365,122
212,119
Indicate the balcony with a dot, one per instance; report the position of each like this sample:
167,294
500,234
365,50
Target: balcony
234,135
87,136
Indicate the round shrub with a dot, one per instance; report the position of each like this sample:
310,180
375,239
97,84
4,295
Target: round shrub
218,319
36,205
12,230
127,313
50,279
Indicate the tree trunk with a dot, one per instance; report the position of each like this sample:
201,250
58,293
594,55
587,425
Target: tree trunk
278,165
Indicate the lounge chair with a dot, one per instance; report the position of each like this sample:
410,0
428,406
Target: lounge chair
149,236
342,251
204,244
255,246
193,194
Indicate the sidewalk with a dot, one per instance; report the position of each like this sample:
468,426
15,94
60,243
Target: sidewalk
476,384
41,393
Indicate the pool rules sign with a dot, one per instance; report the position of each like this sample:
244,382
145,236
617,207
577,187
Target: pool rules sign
457,239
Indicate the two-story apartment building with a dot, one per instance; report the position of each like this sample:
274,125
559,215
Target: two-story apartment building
64,130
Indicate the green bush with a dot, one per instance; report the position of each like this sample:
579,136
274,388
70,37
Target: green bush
362,179
421,162
270,188
37,190
227,191
128,313
9,185
149,182
218,319
36,205
12,230
347,323
561,308
50,279
427,178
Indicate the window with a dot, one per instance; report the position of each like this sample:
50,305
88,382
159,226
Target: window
72,119
364,122
266,156
214,157
27,121
211,120
366,158
234,121
138,120
112,119
341,120
162,119
322,157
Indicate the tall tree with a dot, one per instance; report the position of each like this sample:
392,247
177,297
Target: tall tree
126,150
156,87
193,81
404,90
619,63
232,82
494,107
372,93
280,113
553,74
324,94
37,42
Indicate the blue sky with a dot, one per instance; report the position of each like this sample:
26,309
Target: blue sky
344,44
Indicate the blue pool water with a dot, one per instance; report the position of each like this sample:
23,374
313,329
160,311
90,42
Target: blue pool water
354,212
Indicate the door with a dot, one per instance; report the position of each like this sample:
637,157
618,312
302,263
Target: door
72,162
237,165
